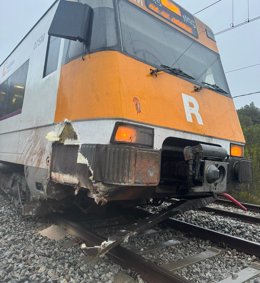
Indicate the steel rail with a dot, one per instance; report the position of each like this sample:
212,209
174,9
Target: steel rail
149,271
240,244
249,206
233,242
244,217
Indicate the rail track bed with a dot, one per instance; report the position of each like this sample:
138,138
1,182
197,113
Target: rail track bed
168,253
254,219
161,254
251,207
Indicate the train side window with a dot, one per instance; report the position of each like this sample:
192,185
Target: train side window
4,91
12,93
52,55
17,88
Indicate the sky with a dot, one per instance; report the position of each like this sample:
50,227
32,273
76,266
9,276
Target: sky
238,48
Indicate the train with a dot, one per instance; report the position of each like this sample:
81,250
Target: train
117,101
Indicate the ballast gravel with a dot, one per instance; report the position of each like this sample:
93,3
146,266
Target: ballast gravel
228,262
223,224
177,246
26,256
234,209
217,268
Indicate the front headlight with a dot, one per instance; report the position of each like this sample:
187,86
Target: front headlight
133,134
236,150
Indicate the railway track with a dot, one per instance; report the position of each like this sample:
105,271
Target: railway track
251,207
237,243
149,271
241,216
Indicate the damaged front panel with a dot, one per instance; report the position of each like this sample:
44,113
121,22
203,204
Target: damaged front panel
100,168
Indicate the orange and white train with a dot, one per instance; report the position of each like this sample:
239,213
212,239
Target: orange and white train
120,100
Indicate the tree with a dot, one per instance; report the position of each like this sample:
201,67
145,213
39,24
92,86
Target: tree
249,116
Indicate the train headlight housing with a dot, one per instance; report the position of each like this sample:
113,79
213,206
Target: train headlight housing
236,150
133,134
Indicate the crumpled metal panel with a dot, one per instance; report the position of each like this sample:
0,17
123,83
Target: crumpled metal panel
119,165
125,165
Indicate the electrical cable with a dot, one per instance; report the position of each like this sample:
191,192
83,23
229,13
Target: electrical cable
248,10
242,68
233,13
238,25
234,27
207,7
247,94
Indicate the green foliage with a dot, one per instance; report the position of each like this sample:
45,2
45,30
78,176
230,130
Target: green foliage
249,117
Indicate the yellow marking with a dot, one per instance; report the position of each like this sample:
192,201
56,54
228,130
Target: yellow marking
172,7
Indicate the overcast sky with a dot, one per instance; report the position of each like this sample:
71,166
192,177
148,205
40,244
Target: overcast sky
238,48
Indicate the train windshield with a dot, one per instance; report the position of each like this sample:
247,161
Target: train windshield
147,39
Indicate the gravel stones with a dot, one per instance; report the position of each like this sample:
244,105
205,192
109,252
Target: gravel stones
211,270
145,244
223,224
234,209
26,256
215,269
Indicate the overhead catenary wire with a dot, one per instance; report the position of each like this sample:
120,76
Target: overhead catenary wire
238,25
247,94
242,68
233,13
207,7
233,26
248,9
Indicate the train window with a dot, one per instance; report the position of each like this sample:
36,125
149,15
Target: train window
103,35
12,93
52,55
3,98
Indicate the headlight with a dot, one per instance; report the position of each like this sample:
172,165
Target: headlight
132,134
236,150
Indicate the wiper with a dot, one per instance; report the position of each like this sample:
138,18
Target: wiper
175,71
214,87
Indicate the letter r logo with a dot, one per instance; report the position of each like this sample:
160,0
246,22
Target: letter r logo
191,107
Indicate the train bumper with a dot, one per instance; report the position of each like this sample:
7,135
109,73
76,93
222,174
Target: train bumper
124,165
240,171
211,169
107,170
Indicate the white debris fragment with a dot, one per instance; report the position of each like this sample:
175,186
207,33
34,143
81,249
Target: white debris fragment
71,142
106,244
52,137
83,246
81,159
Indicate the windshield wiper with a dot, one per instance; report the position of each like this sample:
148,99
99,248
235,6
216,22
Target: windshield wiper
214,87
174,71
